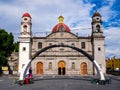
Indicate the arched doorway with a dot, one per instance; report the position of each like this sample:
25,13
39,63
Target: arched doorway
39,68
61,68
83,68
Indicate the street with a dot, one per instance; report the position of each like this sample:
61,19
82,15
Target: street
57,83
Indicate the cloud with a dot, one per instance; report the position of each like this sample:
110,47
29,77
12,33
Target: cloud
77,14
111,53
112,41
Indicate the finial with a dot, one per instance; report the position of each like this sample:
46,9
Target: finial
61,19
96,9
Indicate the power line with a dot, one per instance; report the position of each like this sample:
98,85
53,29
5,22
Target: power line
48,32
75,29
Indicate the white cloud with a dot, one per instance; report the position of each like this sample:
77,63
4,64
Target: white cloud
45,13
111,53
112,41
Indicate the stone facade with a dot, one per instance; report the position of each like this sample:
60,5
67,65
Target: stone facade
67,55
64,60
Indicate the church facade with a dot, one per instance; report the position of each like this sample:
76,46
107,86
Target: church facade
62,60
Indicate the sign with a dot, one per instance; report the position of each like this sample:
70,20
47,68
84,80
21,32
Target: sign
5,68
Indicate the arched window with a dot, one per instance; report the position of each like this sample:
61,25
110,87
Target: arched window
39,45
73,65
98,28
25,28
61,29
83,45
50,65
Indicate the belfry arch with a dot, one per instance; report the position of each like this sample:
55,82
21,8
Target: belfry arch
27,65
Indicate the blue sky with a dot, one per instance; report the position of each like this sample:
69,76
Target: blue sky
77,14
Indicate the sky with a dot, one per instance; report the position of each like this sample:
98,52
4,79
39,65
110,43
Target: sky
77,15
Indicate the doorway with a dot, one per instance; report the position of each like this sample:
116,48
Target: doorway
61,68
83,67
39,68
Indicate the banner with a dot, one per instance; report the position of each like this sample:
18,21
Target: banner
5,68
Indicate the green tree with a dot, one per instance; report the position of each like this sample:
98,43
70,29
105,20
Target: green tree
16,46
6,46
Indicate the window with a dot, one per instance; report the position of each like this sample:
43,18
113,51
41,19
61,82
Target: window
24,48
97,18
25,19
73,44
61,29
39,45
98,28
25,26
50,44
83,45
23,65
50,65
73,65
99,49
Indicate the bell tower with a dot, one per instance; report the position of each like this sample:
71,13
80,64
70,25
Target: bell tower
25,41
98,40
97,25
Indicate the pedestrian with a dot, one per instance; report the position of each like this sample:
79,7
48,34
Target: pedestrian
30,72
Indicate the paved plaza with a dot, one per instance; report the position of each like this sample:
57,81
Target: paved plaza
58,83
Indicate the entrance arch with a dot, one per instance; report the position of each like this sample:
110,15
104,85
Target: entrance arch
39,68
83,68
61,68
28,63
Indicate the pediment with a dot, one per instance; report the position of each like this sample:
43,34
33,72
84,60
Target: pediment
62,35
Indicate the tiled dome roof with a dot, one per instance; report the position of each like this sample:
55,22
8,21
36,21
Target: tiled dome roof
61,26
26,15
96,14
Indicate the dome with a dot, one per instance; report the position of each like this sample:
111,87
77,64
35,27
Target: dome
61,26
26,15
96,14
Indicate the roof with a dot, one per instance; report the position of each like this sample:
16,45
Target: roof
61,26
26,15
96,14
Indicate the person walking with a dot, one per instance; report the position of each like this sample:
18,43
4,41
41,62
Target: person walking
30,72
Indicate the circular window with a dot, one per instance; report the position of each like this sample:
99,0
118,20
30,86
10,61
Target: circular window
97,18
25,19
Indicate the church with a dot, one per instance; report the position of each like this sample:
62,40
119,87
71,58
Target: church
62,60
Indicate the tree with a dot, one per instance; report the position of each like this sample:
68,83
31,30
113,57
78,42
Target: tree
16,46
6,46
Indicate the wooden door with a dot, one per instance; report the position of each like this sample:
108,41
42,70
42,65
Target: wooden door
63,71
59,71
83,67
39,68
